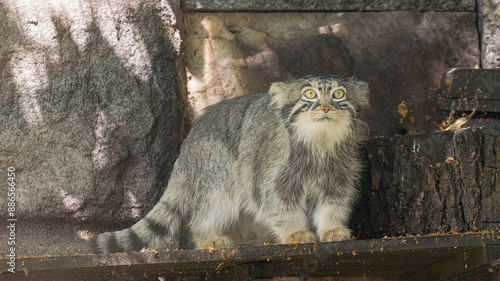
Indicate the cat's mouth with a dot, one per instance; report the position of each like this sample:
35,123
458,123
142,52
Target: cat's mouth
324,119
320,116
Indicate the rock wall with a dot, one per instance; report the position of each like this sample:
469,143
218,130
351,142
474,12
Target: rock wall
489,28
90,111
400,54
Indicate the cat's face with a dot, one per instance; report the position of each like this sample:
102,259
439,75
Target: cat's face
321,109
322,100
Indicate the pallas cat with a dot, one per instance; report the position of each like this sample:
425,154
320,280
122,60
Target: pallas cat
277,166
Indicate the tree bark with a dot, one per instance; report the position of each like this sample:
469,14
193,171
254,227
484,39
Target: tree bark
428,183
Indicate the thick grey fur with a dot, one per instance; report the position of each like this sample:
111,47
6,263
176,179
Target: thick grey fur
263,167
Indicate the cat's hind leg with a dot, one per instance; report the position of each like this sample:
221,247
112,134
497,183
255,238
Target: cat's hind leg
211,221
203,241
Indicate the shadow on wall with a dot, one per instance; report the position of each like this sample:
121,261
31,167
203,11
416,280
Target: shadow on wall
90,111
226,60
401,54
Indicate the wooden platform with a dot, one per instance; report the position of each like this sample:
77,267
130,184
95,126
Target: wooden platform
453,257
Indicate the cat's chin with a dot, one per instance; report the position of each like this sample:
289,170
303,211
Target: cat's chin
321,135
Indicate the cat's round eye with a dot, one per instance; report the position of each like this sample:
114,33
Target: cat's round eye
338,94
310,94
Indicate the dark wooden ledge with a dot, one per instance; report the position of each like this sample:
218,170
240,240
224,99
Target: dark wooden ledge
409,258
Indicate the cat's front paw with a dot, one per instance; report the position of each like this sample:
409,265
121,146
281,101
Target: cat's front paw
336,234
303,236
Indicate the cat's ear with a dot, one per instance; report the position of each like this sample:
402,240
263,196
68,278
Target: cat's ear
361,91
279,92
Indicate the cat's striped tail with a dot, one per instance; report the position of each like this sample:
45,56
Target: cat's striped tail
161,222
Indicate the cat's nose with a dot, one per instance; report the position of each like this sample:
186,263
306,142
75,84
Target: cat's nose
326,109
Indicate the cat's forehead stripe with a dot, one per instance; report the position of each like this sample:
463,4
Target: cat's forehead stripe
321,84
333,83
306,84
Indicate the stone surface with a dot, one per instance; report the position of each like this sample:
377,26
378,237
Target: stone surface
489,27
400,54
90,111
329,5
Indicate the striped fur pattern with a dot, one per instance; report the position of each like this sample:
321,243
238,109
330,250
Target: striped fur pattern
278,166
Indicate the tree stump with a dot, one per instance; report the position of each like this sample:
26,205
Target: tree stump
436,182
